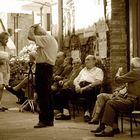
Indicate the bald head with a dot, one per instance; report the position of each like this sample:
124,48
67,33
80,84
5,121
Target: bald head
91,57
90,61
135,62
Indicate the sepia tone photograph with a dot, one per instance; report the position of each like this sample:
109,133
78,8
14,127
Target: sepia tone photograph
69,69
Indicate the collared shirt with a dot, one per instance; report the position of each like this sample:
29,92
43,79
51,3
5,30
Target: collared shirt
89,75
47,49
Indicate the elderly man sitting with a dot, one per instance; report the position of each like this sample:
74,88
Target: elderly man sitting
116,105
120,92
65,94
87,85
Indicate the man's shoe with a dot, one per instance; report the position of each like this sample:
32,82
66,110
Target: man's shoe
105,134
10,89
93,121
98,129
50,124
63,117
2,109
116,131
86,118
41,125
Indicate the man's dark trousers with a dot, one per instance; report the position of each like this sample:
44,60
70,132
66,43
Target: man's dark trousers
43,81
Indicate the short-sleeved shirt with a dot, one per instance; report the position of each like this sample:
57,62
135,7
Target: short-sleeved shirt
47,49
89,75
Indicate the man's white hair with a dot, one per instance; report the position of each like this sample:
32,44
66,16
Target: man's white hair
135,62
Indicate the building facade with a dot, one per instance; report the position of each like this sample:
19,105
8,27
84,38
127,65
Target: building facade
113,36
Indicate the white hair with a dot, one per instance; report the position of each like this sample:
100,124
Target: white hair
135,62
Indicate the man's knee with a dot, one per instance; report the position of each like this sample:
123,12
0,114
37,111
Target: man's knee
103,96
111,103
1,86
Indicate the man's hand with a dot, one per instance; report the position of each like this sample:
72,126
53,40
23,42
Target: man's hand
78,89
32,57
65,85
35,25
120,70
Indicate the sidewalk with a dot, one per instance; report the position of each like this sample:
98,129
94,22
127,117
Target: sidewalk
15,125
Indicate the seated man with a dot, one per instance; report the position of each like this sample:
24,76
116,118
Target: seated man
63,96
67,67
102,98
19,89
116,105
100,104
58,68
87,84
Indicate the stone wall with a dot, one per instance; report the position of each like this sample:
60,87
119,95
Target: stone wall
117,36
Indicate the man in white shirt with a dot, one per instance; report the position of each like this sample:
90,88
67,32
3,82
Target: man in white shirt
45,57
87,84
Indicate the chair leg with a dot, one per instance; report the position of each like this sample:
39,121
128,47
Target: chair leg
135,121
131,129
122,122
74,111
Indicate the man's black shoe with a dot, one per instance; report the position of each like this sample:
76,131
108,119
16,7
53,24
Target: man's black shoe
104,134
63,117
41,125
2,109
98,129
116,131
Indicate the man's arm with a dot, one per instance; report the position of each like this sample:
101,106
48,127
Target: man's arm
96,83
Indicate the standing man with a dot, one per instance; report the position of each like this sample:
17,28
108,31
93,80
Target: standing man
4,65
45,57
